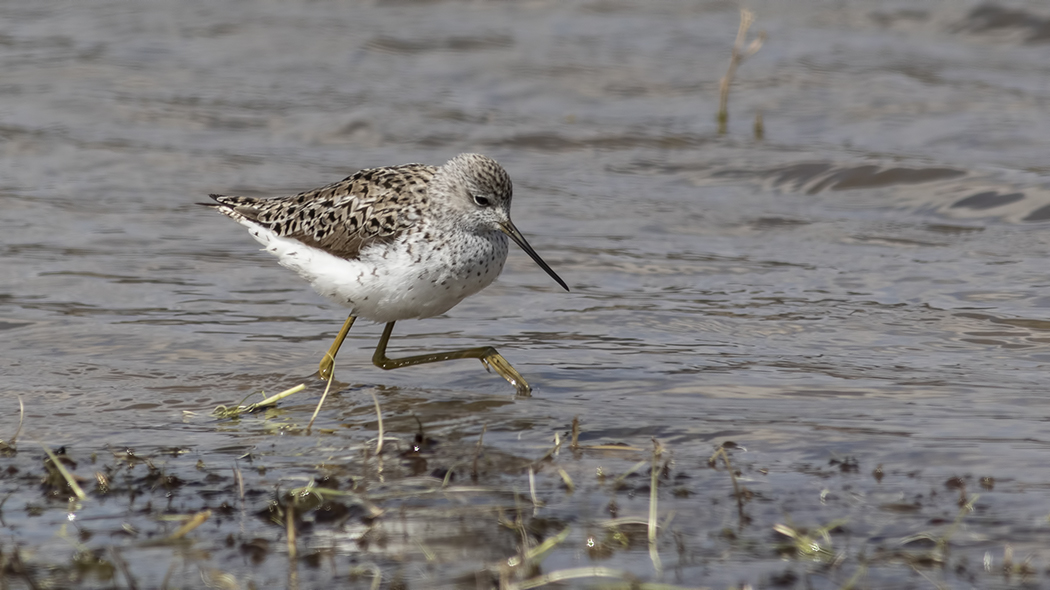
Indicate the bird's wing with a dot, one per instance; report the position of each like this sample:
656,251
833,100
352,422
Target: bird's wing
373,205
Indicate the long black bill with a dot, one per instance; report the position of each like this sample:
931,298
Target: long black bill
509,229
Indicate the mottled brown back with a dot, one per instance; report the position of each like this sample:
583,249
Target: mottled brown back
372,205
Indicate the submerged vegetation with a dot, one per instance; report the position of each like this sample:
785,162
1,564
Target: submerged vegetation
419,508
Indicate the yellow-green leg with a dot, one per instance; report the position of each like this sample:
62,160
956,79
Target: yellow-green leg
328,362
486,354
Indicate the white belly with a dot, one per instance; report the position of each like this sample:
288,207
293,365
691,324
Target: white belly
396,281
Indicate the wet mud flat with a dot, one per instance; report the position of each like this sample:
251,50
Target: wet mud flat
483,507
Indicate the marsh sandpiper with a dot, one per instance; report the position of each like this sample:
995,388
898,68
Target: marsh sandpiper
396,243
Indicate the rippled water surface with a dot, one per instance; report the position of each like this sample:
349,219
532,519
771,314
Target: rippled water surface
858,299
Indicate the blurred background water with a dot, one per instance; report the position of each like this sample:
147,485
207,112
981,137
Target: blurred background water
867,280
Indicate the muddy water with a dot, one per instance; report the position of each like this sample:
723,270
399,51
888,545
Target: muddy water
864,286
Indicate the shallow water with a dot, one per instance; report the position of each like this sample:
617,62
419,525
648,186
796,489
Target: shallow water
865,285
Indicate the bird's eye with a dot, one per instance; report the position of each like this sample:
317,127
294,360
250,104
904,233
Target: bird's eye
481,201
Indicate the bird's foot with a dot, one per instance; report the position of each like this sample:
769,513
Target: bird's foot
496,362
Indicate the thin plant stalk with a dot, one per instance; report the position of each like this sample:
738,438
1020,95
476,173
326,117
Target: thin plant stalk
721,452
477,453
567,479
379,417
195,521
738,55
320,403
21,420
536,503
289,523
66,475
654,480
